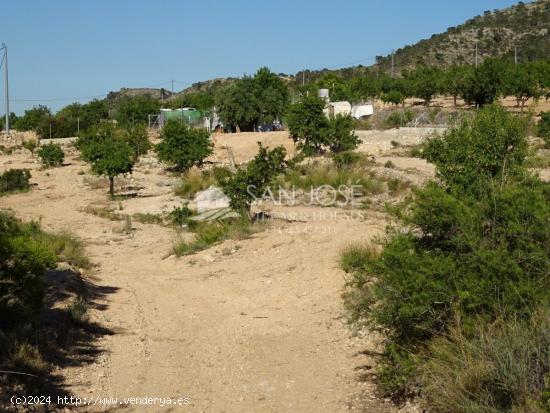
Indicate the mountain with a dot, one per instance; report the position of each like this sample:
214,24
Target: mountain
497,33
524,27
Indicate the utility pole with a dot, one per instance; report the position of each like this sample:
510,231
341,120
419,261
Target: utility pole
476,54
392,63
6,87
303,78
515,55
78,126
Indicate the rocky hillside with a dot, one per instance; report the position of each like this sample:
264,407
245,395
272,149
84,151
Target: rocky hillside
525,26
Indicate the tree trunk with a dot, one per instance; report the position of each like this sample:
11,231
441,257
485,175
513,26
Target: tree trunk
454,100
112,185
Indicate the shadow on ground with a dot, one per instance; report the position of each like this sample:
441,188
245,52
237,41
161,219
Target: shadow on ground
62,340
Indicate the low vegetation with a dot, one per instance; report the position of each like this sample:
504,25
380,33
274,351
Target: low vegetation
543,129
319,173
194,180
14,180
207,234
30,145
460,289
398,119
179,216
26,253
51,155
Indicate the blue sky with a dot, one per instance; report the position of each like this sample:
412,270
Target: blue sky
79,49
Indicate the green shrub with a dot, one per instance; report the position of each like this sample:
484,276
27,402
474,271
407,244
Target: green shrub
250,182
23,262
210,233
314,133
64,246
179,216
194,180
26,252
473,249
490,145
544,128
341,135
398,118
30,145
14,180
138,140
416,151
183,146
51,155
347,158
308,125
393,96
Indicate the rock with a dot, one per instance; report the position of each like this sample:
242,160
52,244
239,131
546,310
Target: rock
211,198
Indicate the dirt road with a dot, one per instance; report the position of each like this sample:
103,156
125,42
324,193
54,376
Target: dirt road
246,326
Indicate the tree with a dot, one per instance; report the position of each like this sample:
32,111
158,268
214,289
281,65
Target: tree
182,145
134,110
522,83
454,81
490,146
37,119
237,106
137,138
51,155
338,88
341,135
485,83
364,87
116,158
393,96
108,153
308,125
202,101
250,183
76,116
252,101
425,82
13,120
